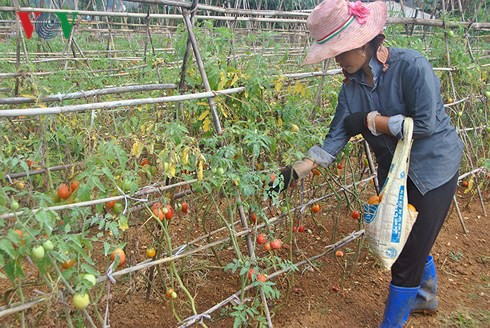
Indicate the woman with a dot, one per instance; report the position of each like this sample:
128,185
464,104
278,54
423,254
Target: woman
382,87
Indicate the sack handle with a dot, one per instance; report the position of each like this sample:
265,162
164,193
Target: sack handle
402,151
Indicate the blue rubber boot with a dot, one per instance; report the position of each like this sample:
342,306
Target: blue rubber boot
426,300
398,306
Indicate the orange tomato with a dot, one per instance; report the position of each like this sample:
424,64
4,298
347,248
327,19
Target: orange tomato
63,191
68,264
73,186
110,204
145,161
169,292
151,252
315,208
339,253
316,172
375,200
122,256
21,235
411,208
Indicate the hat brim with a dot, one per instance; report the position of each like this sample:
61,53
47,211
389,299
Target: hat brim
355,36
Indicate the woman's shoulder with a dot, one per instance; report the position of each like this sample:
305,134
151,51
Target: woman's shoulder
403,54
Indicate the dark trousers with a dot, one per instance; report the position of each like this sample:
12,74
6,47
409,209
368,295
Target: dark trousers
432,207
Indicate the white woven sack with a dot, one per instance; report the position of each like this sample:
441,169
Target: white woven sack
388,224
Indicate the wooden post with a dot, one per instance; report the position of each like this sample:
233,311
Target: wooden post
207,87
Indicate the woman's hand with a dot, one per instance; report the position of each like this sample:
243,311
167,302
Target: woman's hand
298,170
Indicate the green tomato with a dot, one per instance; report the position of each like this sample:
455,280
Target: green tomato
174,295
214,170
126,185
81,301
14,205
91,278
48,245
153,170
38,252
460,114
294,128
118,208
450,33
220,171
284,209
487,94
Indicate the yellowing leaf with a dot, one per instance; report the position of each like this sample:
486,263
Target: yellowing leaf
202,103
279,122
172,169
299,88
200,170
279,83
471,183
25,95
137,149
206,125
185,156
123,223
203,115
235,78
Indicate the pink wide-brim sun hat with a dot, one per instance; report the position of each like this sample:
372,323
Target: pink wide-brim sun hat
338,26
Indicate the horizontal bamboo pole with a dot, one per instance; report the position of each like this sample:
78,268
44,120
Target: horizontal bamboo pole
14,75
38,171
390,20
86,94
143,191
114,104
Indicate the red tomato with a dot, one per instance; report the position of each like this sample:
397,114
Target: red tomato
250,273
253,218
340,166
276,244
295,228
273,177
261,239
260,277
356,215
29,163
63,191
465,184
170,212
185,208
301,228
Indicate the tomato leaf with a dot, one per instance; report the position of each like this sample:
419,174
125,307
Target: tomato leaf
7,246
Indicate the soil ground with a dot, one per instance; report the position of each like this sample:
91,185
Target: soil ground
332,294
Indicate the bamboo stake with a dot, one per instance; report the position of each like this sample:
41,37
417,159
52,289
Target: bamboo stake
200,64
115,104
87,94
